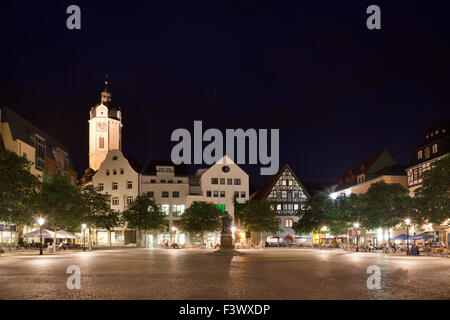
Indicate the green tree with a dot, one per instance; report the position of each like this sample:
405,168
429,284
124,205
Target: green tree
258,216
432,199
61,203
144,214
201,217
315,214
18,189
385,206
97,210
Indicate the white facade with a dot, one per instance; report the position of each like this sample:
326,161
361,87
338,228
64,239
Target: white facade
105,131
118,178
219,183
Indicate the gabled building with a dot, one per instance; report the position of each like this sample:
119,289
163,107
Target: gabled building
48,156
287,195
218,184
434,146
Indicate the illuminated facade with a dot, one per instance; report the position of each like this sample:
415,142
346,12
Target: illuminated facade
286,195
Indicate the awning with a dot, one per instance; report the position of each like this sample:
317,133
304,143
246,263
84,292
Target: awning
37,234
343,236
62,234
424,236
327,236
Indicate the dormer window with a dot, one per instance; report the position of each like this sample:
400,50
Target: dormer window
419,154
427,153
435,148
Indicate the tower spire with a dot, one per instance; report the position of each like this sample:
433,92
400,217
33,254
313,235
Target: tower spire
106,96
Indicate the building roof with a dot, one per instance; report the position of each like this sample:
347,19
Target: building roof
438,134
149,169
265,190
24,130
369,166
134,164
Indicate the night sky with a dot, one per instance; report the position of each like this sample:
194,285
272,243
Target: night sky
337,91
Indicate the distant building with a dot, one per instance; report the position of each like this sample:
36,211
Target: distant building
435,145
49,157
381,167
286,195
218,184
168,184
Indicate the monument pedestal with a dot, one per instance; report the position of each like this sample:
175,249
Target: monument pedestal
226,241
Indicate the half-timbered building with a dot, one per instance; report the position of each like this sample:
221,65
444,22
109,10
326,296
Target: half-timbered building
286,195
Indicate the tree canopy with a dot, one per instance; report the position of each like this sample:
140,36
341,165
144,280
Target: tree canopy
258,216
201,217
145,214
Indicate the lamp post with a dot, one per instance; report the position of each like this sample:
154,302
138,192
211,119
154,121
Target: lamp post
41,222
407,222
83,227
356,225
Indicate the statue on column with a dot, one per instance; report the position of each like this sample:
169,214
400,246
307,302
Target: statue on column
226,223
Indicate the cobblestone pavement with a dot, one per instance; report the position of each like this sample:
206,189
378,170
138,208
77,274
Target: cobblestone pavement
202,274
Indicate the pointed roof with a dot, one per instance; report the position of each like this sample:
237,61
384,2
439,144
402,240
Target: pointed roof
265,190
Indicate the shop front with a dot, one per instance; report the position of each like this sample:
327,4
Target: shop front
8,235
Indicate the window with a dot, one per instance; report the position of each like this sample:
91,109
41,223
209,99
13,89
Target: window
163,181
121,171
279,207
152,181
114,172
242,194
169,181
165,209
214,181
216,194
419,154
101,187
221,207
296,207
222,180
229,181
226,169
130,200
435,148
175,194
236,194
284,194
151,194
237,182
107,172
288,223
101,142
129,184
165,194
222,194
24,155
115,186
177,210
179,181
427,153
115,201
208,194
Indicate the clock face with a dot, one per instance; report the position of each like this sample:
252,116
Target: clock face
101,126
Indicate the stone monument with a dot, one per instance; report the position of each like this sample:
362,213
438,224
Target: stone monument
226,237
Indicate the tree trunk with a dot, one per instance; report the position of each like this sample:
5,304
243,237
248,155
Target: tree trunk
347,241
389,239
109,238
54,240
89,239
203,240
138,238
261,245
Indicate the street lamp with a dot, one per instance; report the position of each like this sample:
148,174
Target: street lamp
83,227
41,222
356,225
407,222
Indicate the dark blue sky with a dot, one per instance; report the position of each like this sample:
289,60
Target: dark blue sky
337,91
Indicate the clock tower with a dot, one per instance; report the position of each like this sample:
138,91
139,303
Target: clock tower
105,130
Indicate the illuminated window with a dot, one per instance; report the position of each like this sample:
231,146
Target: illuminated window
178,210
115,186
221,207
115,201
101,142
419,154
427,153
165,209
288,223
435,148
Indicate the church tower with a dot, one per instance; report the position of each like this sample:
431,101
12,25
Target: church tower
105,129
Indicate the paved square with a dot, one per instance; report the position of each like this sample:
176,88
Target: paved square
201,274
